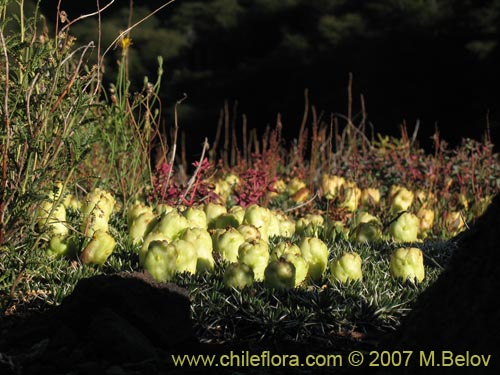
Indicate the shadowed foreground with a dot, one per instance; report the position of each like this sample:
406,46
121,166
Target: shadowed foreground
460,312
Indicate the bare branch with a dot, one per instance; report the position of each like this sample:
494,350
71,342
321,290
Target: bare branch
176,130
193,178
98,12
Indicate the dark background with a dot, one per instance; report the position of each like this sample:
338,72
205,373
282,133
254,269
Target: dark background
436,61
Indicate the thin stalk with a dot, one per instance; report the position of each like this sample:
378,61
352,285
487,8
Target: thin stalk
21,16
197,170
5,144
226,135
174,146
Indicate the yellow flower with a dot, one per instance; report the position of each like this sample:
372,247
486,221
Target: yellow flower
125,42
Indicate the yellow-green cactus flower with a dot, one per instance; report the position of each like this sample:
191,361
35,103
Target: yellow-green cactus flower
150,237
141,226
160,261
227,244
370,197
351,197
97,208
250,232
256,255
301,266
294,185
187,256
364,217
213,211
259,217
285,248
196,217
330,185
279,274
62,245
346,267
401,199
99,248
172,225
315,252
407,264
426,217
52,217
287,225
202,242
136,209
405,228
366,232
238,275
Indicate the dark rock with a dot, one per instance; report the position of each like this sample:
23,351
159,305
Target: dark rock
460,312
161,311
108,320
111,336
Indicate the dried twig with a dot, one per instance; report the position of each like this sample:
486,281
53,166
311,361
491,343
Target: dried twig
96,13
174,146
310,200
356,129
197,170
415,132
5,200
217,134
